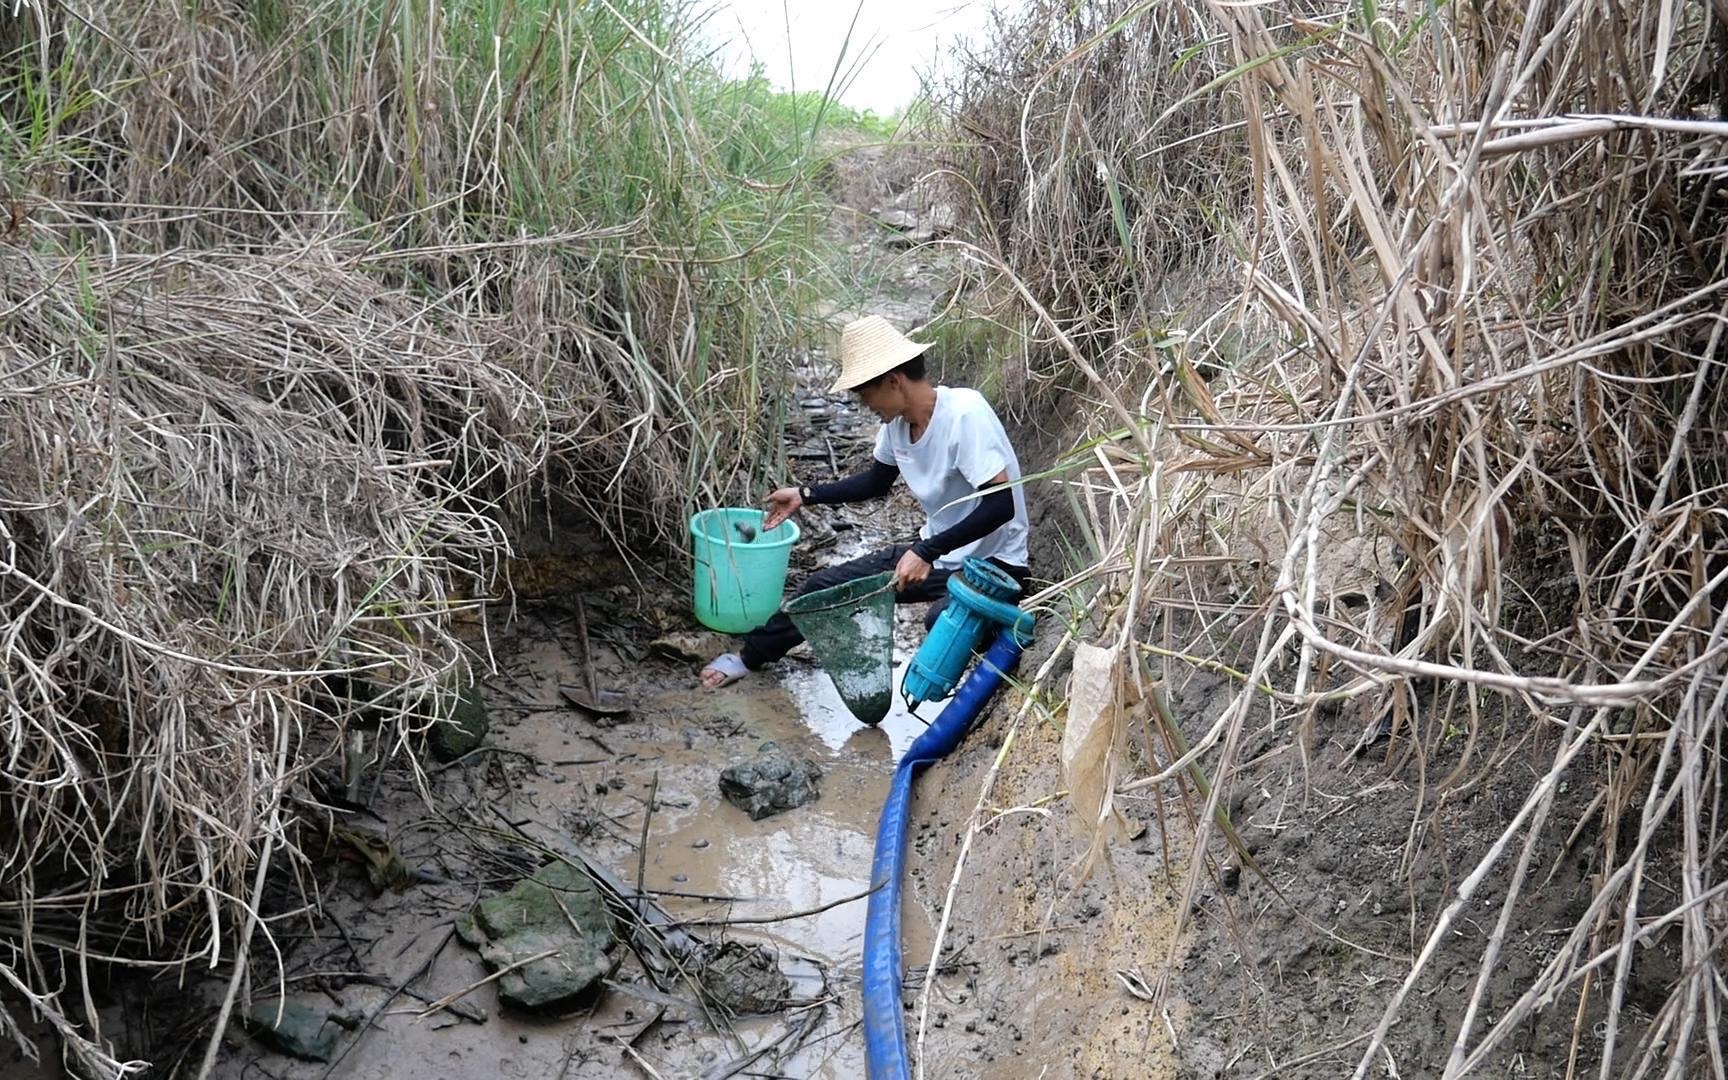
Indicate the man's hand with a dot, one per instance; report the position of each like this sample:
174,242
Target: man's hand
781,505
911,571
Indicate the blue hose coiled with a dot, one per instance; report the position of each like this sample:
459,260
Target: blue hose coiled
884,1026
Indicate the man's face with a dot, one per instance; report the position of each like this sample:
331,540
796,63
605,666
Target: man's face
885,396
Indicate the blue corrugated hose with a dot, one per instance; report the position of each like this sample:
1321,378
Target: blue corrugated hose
884,1029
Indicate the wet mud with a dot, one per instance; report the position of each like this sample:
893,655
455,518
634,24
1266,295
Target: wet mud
559,774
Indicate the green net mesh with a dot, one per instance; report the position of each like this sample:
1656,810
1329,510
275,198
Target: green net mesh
850,628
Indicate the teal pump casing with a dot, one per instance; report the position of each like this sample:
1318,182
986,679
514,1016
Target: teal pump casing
981,601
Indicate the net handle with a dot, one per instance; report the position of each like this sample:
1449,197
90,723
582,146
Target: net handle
854,601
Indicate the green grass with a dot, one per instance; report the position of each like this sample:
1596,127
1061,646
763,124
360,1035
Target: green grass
809,111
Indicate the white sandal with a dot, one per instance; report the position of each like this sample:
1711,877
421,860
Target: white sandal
730,665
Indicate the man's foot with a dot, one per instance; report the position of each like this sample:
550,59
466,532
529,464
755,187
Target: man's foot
723,670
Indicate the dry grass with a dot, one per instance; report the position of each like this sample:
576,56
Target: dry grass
230,481
633,232
307,306
1462,418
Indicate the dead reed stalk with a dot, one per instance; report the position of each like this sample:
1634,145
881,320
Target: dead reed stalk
1422,309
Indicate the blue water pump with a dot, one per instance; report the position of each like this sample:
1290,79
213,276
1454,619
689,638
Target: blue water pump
981,599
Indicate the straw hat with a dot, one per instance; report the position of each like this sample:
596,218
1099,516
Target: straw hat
870,347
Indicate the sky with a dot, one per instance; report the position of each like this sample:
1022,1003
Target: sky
799,41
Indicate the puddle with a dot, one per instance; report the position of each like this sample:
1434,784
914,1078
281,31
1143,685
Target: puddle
821,708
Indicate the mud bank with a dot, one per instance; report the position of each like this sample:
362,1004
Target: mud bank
1042,975
1283,966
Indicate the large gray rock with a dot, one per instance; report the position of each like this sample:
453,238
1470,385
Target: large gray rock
465,728
300,1031
770,782
557,908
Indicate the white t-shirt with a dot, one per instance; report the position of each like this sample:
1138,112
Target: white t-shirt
964,447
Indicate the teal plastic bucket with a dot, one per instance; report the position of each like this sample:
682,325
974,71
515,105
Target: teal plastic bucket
740,574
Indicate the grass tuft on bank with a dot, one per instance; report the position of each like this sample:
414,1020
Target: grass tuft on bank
310,307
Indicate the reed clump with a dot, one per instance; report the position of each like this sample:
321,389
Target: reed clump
308,309
1402,325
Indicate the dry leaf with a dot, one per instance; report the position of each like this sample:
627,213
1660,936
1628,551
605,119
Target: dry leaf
1092,744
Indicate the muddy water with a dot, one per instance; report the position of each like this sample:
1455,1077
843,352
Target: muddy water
805,858
698,843
677,741
562,778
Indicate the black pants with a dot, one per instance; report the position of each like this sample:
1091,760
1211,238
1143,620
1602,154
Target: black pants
777,637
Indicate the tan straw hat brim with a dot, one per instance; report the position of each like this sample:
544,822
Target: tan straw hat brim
870,347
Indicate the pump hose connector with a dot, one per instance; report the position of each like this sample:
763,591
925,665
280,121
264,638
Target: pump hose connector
980,602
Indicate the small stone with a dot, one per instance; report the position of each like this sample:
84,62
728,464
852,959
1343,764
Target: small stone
679,878
692,647
463,730
699,844
349,1017
299,1031
746,979
896,218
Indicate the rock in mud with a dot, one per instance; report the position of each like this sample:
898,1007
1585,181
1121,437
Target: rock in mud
770,782
462,731
696,646
556,909
301,1031
746,979
909,228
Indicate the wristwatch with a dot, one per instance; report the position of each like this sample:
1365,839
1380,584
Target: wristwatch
804,492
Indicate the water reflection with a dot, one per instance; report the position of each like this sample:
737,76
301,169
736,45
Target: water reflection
828,718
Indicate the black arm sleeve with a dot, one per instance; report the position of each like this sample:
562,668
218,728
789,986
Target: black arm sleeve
872,483
992,512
